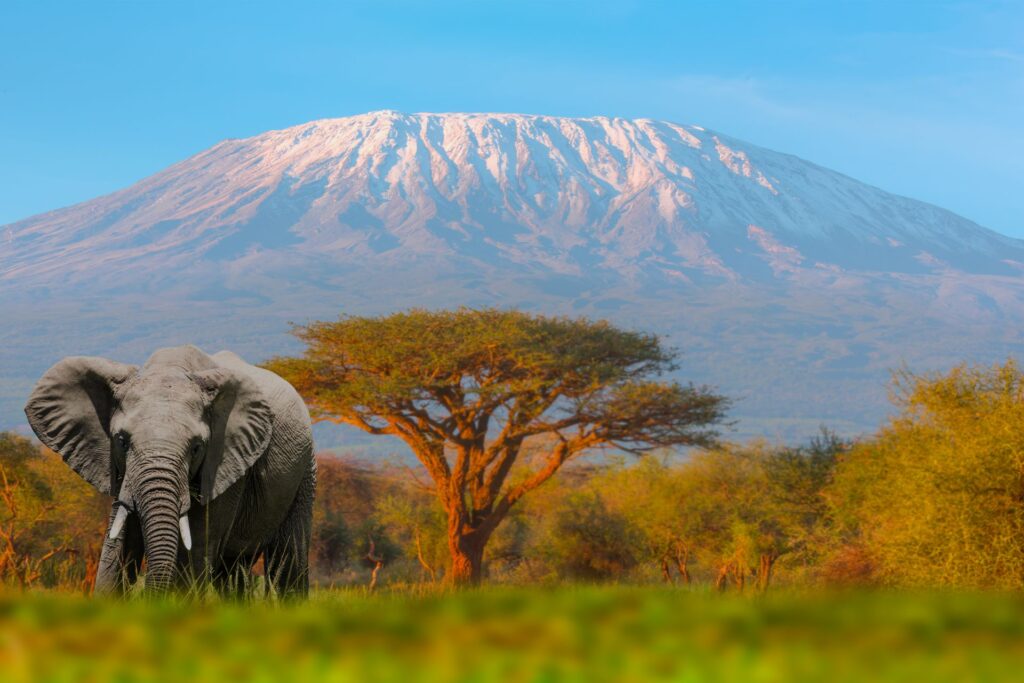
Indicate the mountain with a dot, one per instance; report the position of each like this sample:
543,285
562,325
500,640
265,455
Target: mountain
789,286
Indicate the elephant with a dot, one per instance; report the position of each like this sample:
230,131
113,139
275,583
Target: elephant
209,461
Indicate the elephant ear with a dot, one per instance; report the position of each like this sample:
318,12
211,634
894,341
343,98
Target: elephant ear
70,409
241,423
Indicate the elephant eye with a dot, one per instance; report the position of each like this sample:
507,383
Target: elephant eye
197,448
123,441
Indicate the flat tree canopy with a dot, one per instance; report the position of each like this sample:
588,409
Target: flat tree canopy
466,388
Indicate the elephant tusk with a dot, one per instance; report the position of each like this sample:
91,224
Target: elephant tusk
186,532
119,517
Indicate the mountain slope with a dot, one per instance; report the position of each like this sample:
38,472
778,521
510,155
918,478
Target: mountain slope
779,277
561,194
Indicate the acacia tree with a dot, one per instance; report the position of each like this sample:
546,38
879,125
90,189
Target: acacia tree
466,389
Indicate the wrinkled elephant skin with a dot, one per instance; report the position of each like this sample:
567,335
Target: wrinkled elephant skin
209,461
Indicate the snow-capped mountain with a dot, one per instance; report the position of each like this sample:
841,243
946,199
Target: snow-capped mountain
759,264
637,197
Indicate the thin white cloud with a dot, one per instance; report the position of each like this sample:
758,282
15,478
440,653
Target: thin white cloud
1007,54
1001,54
750,93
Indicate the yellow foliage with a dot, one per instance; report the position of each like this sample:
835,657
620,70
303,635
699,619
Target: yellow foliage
51,521
938,496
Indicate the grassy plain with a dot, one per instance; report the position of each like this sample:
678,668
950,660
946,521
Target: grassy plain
568,634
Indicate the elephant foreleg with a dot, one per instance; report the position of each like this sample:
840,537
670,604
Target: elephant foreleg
108,574
119,560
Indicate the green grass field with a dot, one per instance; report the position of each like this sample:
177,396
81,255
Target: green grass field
567,634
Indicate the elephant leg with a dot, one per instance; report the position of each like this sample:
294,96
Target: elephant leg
287,556
211,528
120,559
232,577
108,574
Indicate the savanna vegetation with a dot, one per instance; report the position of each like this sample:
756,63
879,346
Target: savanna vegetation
51,521
472,392
549,451
582,634
553,453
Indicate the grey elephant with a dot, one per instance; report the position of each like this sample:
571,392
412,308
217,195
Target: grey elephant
209,460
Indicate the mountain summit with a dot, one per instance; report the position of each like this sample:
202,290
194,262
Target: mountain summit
635,198
789,286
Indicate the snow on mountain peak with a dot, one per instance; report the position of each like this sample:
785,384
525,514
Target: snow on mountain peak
791,287
563,194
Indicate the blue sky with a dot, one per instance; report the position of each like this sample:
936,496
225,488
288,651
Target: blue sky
922,99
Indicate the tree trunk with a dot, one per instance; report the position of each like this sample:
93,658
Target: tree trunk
666,573
683,565
376,560
422,560
467,558
684,572
373,575
739,576
722,580
764,571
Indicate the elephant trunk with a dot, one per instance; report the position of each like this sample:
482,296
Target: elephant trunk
158,495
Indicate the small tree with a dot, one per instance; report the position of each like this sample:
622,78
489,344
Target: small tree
587,540
733,513
49,518
797,480
654,497
465,389
415,520
936,498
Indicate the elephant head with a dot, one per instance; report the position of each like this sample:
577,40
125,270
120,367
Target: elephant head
155,438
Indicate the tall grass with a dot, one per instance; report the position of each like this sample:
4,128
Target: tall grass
568,634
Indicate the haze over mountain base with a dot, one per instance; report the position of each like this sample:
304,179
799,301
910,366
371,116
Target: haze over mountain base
789,287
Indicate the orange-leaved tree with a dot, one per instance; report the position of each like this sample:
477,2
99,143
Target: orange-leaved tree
466,389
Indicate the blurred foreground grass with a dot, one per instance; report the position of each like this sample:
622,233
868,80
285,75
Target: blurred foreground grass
568,634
